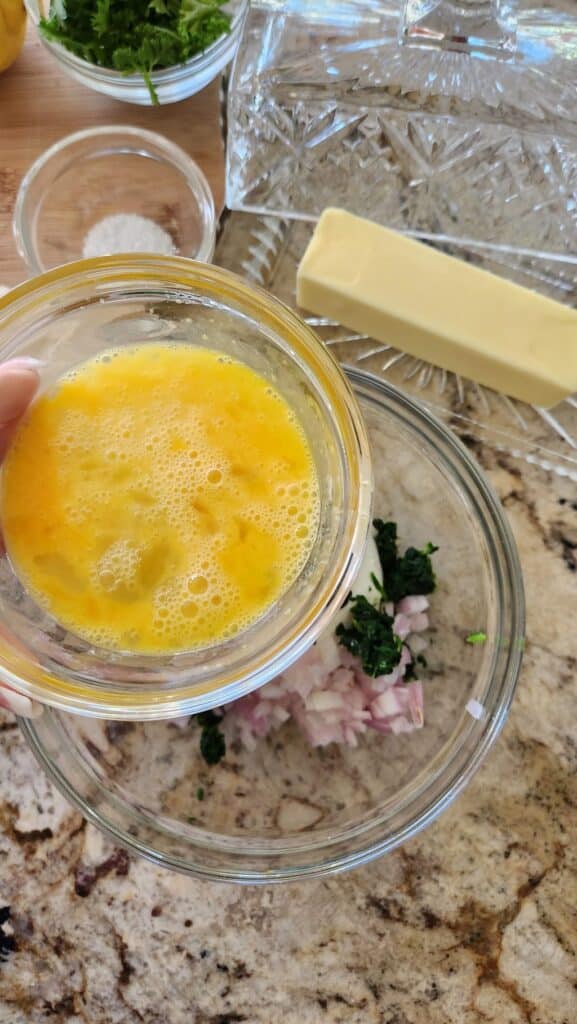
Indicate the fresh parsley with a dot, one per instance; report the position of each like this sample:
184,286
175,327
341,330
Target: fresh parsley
136,36
411,573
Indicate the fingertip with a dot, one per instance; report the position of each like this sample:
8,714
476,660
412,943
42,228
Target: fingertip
18,385
19,704
25,362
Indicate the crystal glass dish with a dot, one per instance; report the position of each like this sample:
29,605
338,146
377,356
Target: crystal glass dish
71,314
452,121
104,172
284,810
171,85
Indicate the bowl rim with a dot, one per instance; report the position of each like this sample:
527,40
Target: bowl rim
178,158
165,76
321,856
193,688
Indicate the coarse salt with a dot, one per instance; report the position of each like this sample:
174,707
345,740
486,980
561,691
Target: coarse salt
126,232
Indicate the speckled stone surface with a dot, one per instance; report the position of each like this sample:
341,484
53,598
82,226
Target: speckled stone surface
474,921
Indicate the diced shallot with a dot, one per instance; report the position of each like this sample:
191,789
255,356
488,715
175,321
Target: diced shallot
402,626
329,696
413,605
419,623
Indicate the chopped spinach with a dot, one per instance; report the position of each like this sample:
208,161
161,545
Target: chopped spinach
212,741
411,573
371,638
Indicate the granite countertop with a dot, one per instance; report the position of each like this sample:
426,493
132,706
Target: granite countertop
473,921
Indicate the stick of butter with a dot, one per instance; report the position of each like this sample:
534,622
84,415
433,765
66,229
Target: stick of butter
440,309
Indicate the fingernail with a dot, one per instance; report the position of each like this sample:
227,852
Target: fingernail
26,362
18,704
19,386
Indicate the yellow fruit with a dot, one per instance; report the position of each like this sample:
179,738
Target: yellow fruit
12,31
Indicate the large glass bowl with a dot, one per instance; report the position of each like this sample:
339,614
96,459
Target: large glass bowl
171,85
285,811
76,311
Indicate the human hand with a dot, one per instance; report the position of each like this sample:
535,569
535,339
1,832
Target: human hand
18,385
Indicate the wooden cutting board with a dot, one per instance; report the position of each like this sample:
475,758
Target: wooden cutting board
39,104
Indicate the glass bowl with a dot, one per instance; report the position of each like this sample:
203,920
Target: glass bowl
106,172
171,85
286,811
71,314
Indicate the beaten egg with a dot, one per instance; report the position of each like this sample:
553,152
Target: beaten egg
159,498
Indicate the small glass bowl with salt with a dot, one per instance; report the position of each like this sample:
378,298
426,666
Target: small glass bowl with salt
112,190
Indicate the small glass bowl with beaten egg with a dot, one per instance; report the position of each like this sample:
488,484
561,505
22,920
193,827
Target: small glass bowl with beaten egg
187,501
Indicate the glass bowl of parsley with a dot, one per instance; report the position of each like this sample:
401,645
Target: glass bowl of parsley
374,731
141,51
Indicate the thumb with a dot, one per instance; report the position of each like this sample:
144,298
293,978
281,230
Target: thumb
18,384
